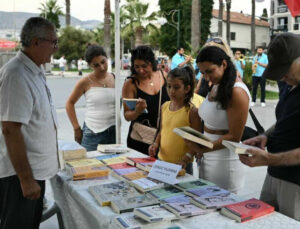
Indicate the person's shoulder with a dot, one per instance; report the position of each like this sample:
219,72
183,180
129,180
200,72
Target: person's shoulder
129,83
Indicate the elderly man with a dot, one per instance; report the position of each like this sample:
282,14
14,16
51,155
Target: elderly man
28,137
282,184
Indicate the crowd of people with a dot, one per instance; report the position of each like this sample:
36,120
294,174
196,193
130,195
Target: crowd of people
28,137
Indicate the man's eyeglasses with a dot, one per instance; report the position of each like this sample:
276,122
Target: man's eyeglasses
54,42
216,40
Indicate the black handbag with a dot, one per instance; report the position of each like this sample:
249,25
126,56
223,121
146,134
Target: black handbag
250,132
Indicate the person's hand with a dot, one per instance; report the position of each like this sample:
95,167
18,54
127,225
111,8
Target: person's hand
257,157
188,58
30,189
141,105
152,149
258,141
256,62
187,158
78,135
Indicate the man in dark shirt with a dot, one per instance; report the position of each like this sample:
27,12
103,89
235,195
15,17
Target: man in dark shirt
282,184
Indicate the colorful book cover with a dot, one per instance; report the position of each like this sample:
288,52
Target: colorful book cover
193,184
135,175
103,157
154,213
206,191
134,160
85,162
181,198
122,165
185,209
115,160
247,210
122,172
166,192
86,172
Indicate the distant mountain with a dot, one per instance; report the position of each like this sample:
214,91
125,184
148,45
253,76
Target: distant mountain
15,20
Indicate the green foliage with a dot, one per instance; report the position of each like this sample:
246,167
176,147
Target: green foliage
51,11
248,74
168,38
73,43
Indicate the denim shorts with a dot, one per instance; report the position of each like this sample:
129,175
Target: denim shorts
90,140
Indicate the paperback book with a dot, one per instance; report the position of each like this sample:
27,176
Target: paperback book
131,104
84,162
105,193
122,205
154,213
130,221
238,148
206,191
112,148
107,156
193,135
247,210
193,184
166,192
88,172
114,160
181,198
136,160
146,184
135,175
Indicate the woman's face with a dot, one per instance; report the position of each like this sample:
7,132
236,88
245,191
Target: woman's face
212,72
99,64
143,68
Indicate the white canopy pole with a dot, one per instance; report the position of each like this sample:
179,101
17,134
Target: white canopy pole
117,71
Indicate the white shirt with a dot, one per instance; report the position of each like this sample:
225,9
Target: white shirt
25,98
79,64
62,62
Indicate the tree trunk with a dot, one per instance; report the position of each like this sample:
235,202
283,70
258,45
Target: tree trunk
68,14
107,24
253,28
228,7
139,36
195,25
220,19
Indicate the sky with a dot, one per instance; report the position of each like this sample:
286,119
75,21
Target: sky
93,9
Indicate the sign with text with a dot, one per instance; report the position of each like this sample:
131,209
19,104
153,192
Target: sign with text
165,172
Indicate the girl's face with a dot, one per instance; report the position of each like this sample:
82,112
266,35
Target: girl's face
143,68
176,89
212,72
99,64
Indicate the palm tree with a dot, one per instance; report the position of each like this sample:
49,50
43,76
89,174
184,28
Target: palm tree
228,7
136,20
51,11
195,24
68,14
107,25
220,19
253,28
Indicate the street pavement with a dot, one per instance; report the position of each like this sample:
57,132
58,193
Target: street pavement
61,89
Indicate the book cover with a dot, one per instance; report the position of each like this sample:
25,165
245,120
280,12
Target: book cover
131,104
216,202
122,165
154,213
122,172
135,175
166,192
146,184
115,160
87,172
238,148
134,160
145,166
247,210
130,221
84,162
122,205
181,198
112,148
105,193
193,184
71,150
185,209
189,133
107,156
206,191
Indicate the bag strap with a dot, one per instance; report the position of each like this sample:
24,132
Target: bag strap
159,103
258,127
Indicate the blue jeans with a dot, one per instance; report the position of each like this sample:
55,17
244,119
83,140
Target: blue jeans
90,140
189,168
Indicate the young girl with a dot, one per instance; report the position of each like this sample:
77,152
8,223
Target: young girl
176,113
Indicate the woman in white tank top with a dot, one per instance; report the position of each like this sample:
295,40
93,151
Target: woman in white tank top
98,88
224,114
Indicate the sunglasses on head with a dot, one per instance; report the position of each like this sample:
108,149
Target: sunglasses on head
216,40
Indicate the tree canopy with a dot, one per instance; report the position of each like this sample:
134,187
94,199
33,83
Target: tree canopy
51,11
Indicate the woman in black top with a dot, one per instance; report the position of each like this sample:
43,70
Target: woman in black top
145,83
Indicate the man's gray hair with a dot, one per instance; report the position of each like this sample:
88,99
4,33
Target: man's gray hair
35,27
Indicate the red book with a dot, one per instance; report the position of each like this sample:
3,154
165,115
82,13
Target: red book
122,165
247,210
134,160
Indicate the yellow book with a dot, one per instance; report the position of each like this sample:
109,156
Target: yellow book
85,162
135,175
115,160
86,172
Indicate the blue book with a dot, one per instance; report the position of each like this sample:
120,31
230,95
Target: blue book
131,103
107,156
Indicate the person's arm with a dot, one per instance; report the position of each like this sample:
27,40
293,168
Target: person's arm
198,85
77,92
262,64
186,60
17,152
128,92
242,64
153,148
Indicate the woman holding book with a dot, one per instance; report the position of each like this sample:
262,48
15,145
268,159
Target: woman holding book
148,84
98,89
224,114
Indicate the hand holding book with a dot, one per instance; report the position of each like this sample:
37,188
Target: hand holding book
257,157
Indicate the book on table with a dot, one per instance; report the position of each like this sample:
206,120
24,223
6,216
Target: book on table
131,104
180,198
114,160
236,147
154,213
193,184
127,204
247,210
206,191
84,162
130,221
193,135
135,175
216,202
146,184
89,172
165,192
107,156
112,148
136,160
105,193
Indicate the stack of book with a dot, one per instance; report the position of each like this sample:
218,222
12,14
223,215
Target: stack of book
112,148
120,169
143,163
154,213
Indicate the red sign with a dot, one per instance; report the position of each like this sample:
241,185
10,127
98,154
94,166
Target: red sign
294,6
7,44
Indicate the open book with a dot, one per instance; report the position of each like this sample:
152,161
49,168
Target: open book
189,133
238,148
131,103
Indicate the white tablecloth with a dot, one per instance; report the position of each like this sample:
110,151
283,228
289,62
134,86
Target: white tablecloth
81,211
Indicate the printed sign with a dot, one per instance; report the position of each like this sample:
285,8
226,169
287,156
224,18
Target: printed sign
165,172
